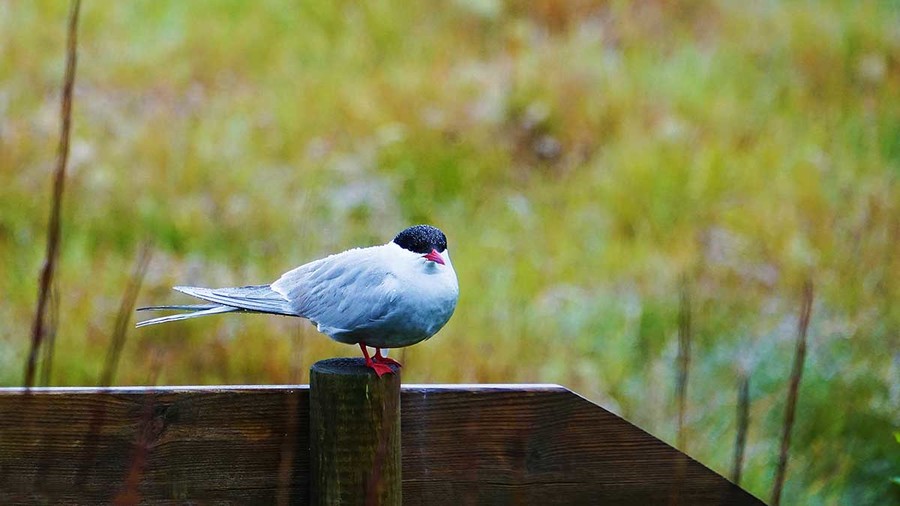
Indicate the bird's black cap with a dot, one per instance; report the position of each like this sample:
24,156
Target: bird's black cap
421,239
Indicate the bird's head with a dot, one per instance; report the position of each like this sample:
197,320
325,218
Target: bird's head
425,240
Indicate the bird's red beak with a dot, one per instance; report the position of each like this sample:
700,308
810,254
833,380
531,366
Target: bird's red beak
434,256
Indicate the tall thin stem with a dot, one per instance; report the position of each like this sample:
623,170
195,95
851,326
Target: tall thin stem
743,422
684,360
123,317
793,391
39,329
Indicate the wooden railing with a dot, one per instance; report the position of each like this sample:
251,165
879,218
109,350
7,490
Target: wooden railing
461,444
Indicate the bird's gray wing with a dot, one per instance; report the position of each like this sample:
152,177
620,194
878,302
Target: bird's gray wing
342,293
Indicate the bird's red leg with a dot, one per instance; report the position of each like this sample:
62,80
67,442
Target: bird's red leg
380,369
385,360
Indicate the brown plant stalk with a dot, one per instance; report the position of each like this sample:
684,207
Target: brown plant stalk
683,360
123,317
39,327
743,423
793,391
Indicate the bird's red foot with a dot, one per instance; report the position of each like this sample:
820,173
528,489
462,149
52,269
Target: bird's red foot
384,360
381,365
380,369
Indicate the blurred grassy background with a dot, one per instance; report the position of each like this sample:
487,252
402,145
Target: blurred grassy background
582,157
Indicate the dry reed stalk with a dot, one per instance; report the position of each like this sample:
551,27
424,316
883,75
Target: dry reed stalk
683,360
743,423
793,391
123,317
39,329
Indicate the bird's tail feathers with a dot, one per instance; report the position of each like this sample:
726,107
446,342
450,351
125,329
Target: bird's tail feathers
258,298
179,307
197,311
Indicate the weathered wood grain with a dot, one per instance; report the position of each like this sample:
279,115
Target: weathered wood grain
156,445
545,445
461,444
354,443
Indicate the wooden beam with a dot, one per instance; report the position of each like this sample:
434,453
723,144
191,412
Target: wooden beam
461,444
94,446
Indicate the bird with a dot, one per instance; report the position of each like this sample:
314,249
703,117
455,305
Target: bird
387,296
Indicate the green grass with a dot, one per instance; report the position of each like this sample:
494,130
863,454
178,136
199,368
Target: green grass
582,159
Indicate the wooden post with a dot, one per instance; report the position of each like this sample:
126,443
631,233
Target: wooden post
354,424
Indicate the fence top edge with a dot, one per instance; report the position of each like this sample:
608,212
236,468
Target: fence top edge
413,387
531,387
138,389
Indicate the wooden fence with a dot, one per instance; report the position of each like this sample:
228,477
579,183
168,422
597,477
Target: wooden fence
461,444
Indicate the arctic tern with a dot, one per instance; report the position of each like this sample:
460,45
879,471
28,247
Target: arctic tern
387,296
